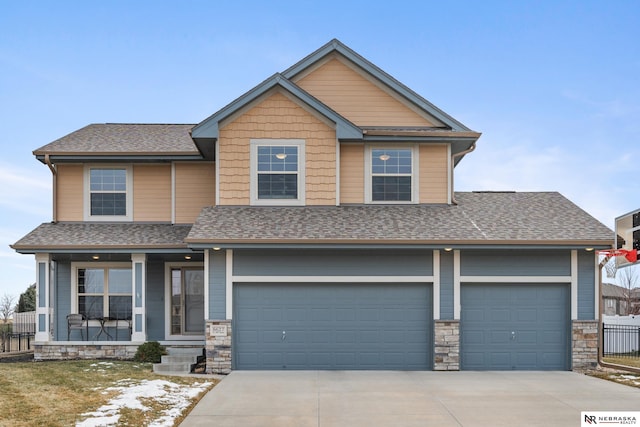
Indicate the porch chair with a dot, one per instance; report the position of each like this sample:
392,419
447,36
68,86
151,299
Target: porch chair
77,321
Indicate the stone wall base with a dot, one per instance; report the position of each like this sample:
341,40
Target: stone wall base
446,345
218,346
584,344
64,351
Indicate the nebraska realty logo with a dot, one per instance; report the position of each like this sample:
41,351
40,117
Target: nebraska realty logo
609,418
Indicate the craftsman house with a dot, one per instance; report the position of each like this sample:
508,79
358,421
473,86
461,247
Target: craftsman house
311,223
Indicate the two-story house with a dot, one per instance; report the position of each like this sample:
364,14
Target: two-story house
311,223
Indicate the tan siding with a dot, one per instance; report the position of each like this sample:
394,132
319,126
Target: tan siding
195,188
434,177
70,192
277,117
352,173
152,193
356,98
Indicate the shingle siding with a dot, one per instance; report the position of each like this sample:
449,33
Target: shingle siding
277,117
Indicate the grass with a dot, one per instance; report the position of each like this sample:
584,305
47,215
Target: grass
624,361
57,393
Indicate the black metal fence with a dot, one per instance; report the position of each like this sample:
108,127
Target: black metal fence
621,340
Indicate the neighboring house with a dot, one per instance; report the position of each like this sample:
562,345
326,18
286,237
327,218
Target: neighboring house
635,301
311,223
614,300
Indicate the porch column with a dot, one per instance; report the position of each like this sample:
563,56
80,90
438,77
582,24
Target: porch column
138,315
44,296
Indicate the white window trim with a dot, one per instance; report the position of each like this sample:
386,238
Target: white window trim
75,266
415,191
253,180
87,193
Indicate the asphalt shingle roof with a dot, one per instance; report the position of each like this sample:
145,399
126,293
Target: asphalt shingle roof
479,218
489,218
109,235
118,138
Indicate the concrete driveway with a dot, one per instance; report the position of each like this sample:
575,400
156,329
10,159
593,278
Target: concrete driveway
390,398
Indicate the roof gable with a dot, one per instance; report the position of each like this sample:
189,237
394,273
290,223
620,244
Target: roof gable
210,127
336,46
359,97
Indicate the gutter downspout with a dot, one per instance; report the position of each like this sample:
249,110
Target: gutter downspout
54,173
453,158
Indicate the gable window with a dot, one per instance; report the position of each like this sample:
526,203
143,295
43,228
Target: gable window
391,175
277,172
108,193
103,292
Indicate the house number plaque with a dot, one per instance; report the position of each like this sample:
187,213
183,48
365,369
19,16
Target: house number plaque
218,330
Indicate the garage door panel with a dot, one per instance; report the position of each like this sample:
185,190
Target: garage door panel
499,337
499,315
333,326
528,337
531,332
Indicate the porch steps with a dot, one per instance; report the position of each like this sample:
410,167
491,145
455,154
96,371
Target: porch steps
179,360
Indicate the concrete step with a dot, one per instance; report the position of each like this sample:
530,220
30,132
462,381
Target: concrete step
183,368
177,351
187,358
179,360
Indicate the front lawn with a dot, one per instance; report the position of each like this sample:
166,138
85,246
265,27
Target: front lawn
91,393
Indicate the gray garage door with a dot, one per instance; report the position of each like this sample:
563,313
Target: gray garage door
332,326
519,326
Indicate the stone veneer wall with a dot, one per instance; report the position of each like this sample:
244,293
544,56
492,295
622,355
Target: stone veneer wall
218,346
584,344
447,345
83,351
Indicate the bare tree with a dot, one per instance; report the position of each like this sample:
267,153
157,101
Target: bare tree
628,278
7,306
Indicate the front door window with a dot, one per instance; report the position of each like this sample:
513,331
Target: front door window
187,301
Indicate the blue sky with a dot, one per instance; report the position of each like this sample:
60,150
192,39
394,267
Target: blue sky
553,86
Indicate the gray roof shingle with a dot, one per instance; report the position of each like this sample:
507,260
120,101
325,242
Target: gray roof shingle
479,218
118,138
101,236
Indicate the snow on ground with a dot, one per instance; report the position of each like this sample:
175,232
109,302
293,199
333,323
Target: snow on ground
177,397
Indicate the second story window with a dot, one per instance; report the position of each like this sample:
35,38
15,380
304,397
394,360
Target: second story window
391,175
277,172
108,194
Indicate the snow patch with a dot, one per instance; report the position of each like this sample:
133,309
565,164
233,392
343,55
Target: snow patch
177,396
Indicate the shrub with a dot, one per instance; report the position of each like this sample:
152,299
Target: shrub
150,351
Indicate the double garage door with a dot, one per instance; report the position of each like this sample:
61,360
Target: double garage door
333,326
389,326
515,326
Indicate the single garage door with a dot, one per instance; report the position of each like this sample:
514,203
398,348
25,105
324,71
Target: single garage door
515,326
332,326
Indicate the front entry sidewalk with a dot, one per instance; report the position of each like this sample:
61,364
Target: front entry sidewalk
384,398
